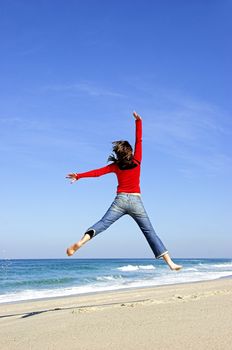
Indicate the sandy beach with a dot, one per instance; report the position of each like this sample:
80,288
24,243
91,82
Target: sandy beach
192,316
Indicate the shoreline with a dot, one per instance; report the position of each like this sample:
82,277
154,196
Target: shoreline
108,291
189,315
113,293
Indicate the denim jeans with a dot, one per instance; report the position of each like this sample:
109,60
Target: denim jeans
131,204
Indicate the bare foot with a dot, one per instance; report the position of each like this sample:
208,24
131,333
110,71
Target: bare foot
71,250
170,263
175,267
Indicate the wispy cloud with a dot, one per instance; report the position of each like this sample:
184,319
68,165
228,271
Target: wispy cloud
194,131
28,51
86,87
20,123
37,141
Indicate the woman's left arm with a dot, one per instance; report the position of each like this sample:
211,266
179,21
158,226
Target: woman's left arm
138,137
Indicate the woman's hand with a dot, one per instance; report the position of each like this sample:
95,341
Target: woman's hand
137,116
73,177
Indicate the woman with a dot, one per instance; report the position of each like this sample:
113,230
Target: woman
126,165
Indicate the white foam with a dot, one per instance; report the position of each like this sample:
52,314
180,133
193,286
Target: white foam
113,284
191,269
50,293
209,267
146,267
128,268
109,278
144,276
223,265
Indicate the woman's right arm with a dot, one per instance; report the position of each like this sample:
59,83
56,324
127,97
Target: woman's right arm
92,173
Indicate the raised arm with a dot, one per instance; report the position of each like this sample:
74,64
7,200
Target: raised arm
138,137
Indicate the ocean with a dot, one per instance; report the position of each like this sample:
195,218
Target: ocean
45,278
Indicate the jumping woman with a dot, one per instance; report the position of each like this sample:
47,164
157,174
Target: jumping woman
126,165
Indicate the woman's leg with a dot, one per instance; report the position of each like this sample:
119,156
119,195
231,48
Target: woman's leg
112,215
140,216
155,242
71,250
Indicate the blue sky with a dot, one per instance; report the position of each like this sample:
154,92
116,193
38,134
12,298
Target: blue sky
71,73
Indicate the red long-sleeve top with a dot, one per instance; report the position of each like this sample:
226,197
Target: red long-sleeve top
129,179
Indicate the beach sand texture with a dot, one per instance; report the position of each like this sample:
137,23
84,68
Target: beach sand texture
187,316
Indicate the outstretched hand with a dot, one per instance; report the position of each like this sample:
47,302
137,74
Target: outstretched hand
72,177
137,116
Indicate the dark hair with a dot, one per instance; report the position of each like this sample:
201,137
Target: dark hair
123,155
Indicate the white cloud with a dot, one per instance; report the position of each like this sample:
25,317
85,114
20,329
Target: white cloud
88,88
193,131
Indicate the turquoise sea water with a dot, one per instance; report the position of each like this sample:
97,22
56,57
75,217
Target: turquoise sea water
35,279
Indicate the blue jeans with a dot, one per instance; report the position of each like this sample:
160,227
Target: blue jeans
126,203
